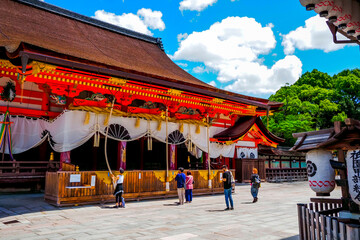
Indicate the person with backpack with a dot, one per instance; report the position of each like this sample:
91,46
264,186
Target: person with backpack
119,190
226,178
180,179
255,184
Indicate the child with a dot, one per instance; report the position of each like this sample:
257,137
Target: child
189,187
119,188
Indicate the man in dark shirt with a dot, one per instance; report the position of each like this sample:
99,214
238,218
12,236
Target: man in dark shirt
180,179
227,188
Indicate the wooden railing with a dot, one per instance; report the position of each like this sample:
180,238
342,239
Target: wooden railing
286,174
68,167
319,221
22,171
96,186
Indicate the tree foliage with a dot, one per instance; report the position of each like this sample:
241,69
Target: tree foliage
314,102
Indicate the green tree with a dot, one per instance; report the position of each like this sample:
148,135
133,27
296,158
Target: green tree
314,102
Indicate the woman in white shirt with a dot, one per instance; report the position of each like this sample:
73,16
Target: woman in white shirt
119,188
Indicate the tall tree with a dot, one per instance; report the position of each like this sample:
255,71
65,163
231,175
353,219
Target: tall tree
314,102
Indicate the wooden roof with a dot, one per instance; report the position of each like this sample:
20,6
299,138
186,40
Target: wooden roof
346,138
44,30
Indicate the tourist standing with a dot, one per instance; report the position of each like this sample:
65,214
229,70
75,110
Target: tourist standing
119,190
189,187
255,184
180,179
226,177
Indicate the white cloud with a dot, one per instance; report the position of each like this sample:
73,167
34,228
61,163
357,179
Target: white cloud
315,35
152,19
260,79
199,69
231,48
145,19
212,83
182,36
182,64
195,5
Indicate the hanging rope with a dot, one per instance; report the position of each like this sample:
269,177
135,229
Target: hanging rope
106,137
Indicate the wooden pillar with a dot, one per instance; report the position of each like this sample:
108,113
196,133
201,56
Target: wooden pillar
234,159
142,153
343,174
45,102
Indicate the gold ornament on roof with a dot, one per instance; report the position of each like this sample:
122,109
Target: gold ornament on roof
117,81
174,92
42,67
218,100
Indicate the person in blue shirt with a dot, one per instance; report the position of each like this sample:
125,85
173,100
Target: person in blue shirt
180,179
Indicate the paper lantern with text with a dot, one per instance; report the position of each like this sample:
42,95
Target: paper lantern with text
309,4
353,170
323,7
354,23
320,173
335,11
345,16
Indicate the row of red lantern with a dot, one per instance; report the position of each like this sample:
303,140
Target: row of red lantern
345,14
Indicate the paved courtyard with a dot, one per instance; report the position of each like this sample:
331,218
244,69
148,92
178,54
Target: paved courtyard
27,216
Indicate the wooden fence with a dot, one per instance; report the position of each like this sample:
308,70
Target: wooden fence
286,174
25,171
69,188
319,221
245,166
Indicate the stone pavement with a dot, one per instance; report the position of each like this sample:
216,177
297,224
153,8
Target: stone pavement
27,216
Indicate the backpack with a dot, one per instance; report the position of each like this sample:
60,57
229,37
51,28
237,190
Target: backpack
258,181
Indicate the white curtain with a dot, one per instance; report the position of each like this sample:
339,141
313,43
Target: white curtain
69,131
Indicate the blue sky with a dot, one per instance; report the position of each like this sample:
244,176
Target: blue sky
249,47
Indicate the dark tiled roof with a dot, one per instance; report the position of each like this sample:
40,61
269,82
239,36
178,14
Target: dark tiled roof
310,140
242,126
347,137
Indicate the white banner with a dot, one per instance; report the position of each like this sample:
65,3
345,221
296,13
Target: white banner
69,131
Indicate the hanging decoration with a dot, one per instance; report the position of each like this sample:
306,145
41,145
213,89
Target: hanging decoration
87,118
5,134
122,154
137,123
181,128
9,93
176,137
172,156
64,158
149,142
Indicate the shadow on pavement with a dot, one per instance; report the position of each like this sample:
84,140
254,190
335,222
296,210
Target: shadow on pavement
247,203
295,237
222,210
12,204
171,204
